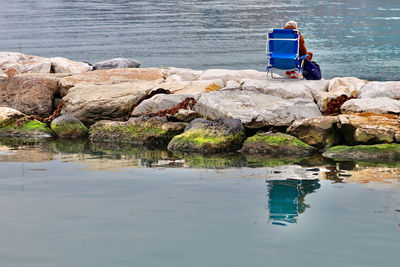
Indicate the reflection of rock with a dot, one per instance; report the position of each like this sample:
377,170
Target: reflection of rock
365,152
20,150
373,177
286,199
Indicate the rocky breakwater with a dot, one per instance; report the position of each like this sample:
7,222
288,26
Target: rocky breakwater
203,112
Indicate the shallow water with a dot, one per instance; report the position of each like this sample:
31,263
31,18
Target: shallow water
348,38
83,204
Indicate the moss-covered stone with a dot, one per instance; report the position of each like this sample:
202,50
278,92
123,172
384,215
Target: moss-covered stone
67,126
30,129
278,144
365,152
207,137
149,132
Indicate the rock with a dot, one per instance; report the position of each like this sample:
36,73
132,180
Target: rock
29,94
90,102
183,74
379,105
176,85
158,103
227,75
232,85
67,126
35,65
276,144
113,76
155,131
8,116
255,109
348,86
206,137
13,57
31,129
117,63
64,65
3,75
280,88
381,89
365,152
320,132
367,128
186,115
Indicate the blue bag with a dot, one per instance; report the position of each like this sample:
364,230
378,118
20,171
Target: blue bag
311,70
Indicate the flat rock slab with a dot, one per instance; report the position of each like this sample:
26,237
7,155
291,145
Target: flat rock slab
365,152
379,105
29,94
154,131
90,102
114,76
176,85
381,89
255,109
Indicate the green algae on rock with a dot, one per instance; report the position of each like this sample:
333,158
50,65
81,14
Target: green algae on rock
154,131
365,152
31,129
67,126
277,144
205,137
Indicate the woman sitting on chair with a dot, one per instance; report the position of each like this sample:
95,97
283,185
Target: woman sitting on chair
302,47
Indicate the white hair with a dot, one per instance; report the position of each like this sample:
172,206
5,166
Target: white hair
291,23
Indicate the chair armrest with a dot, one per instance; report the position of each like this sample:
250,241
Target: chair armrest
303,57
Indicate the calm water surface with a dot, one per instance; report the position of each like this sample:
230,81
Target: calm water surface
66,204
348,38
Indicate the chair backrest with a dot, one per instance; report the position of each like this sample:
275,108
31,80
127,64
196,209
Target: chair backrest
283,48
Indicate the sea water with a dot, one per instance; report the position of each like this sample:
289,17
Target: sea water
83,205
347,37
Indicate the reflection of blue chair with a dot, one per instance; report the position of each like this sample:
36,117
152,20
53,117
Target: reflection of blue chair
283,51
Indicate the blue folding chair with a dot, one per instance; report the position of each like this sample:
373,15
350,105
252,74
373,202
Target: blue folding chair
283,51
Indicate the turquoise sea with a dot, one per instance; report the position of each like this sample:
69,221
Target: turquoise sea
348,37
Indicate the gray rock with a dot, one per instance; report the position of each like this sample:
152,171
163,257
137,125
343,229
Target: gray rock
117,63
379,105
255,109
381,89
205,137
67,126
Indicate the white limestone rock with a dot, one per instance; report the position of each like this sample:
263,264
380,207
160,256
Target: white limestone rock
160,102
348,86
9,115
64,65
177,85
227,75
379,105
255,109
184,74
381,89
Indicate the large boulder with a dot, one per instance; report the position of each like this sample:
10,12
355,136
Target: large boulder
32,95
64,65
184,74
158,103
206,137
113,76
381,89
13,57
91,102
155,131
379,105
8,116
276,144
67,126
320,132
255,109
367,128
348,86
34,65
117,63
